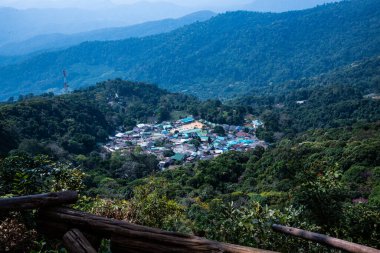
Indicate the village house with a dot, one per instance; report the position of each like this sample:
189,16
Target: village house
190,140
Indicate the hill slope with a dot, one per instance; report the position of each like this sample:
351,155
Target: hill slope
336,99
76,122
223,56
50,42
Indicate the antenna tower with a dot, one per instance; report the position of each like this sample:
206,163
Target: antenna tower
65,84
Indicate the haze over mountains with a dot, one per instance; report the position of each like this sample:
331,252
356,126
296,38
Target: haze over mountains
50,42
46,16
222,57
24,24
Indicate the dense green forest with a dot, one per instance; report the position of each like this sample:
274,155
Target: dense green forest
76,122
339,98
320,174
324,180
228,54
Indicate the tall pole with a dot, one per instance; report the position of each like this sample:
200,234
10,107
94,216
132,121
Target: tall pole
65,85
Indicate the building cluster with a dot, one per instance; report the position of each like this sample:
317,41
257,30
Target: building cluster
186,140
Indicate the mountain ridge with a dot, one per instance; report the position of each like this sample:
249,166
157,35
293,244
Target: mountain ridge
26,23
221,57
50,42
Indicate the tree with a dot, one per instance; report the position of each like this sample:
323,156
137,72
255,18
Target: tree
21,174
323,197
219,130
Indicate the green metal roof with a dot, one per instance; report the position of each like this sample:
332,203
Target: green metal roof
178,157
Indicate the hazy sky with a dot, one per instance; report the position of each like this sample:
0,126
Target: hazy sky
102,3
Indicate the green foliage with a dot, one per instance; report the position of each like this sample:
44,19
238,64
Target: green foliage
336,99
219,130
359,222
308,182
374,198
323,197
21,174
248,224
319,174
151,207
24,175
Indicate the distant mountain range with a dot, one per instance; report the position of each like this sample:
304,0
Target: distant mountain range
50,42
224,56
42,17
281,5
22,24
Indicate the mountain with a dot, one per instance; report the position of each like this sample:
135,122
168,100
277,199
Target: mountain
281,6
226,55
22,24
363,75
50,42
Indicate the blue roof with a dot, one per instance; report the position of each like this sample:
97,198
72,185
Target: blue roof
187,120
232,142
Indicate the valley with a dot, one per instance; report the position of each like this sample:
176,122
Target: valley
215,125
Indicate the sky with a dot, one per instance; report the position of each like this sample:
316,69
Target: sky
101,3
95,4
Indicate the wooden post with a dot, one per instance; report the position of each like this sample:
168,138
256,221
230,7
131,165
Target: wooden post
76,242
325,240
121,244
128,237
38,201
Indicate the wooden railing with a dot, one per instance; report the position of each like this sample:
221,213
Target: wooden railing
82,232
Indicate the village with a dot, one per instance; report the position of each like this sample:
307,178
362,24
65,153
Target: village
186,140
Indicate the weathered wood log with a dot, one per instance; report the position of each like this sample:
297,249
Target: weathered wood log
325,240
55,230
75,242
128,237
38,201
126,245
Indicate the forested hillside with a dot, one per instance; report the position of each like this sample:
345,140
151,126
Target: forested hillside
339,98
316,180
226,55
76,122
324,180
